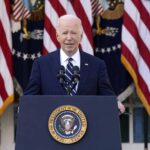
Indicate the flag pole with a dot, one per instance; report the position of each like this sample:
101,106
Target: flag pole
145,130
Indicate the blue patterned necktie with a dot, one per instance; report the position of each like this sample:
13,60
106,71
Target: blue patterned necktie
69,75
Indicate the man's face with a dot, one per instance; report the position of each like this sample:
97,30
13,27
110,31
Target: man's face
69,36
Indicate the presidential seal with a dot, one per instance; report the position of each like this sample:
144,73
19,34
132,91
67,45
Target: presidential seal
67,124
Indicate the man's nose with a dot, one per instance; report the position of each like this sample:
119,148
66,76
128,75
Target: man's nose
69,36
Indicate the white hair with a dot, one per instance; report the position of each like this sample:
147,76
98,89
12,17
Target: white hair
69,17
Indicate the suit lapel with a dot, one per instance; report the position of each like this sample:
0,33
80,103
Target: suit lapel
84,70
56,60
56,66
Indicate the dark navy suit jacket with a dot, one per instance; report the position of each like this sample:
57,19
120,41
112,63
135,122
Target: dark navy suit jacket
93,76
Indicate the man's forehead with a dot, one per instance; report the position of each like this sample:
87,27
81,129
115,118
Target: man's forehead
69,22
68,17
69,25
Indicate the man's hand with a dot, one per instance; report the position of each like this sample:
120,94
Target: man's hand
121,107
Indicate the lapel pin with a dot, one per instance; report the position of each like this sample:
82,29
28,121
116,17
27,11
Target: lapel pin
86,64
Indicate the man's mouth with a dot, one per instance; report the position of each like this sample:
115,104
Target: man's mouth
69,44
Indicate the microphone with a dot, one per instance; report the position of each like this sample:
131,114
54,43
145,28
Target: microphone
61,75
76,74
75,79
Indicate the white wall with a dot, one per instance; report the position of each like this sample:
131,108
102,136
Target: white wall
7,129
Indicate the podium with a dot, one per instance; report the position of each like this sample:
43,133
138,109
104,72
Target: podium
101,112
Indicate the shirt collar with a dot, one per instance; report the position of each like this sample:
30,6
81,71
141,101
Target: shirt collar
64,57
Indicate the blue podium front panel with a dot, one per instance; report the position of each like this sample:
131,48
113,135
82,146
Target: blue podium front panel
103,130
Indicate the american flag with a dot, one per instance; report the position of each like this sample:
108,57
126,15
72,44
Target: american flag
136,46
56,8
97,8
6,73
20,10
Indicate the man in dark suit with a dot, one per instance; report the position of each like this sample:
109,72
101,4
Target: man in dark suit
93,73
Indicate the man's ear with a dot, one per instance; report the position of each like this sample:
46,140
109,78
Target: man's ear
81,35
57,36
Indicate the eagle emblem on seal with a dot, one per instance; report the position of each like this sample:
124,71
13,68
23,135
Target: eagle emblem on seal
67,124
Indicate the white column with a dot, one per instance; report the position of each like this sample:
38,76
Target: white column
7,129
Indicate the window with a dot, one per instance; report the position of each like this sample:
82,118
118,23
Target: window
132,122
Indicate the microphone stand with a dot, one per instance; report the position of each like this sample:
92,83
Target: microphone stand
68,87
74,81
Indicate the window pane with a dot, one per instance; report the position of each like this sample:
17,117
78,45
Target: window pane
149,129
139,125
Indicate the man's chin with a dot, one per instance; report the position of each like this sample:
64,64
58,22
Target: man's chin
70,52
70,49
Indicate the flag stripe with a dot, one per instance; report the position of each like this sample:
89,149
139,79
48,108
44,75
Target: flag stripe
26,13
3,92
141,45
18,15
51,30
85,44
7,7
51,18
144,15
136,46
143,29
20,11
5,49
138,78
88,10
55,9
97,8
58,6
142,66
48,43
82,15
5,23
135,77
17,7
6,72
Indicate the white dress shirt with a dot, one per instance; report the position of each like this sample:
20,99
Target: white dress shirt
76,60
64,59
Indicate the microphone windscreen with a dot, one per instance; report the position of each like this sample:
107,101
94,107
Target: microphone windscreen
76,74
62,69
61,74
76,70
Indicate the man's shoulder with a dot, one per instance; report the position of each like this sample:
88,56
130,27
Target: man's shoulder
49,56
91,58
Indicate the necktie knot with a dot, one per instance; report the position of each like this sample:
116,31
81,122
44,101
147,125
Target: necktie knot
70,61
